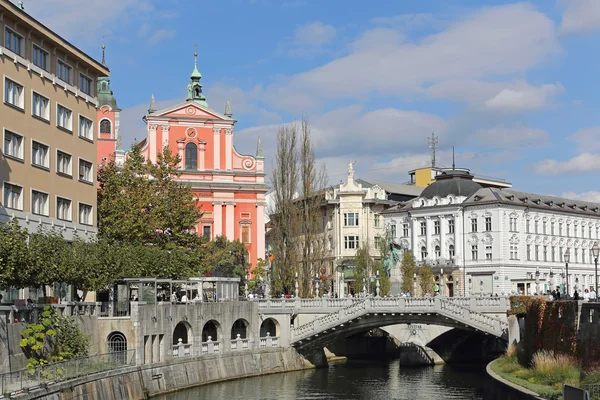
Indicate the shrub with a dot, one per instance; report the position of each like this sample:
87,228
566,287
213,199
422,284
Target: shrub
511,351
551,369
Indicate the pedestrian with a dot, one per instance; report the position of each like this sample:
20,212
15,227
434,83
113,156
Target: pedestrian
576,295
593,294
586,295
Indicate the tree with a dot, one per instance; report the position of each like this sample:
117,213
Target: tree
297,238
362,267
14,253
259,275
228,258
407,270
142,202
426,279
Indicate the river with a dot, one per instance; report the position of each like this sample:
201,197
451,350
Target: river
357,380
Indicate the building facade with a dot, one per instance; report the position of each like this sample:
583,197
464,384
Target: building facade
229,186
352,218
487,240
48,120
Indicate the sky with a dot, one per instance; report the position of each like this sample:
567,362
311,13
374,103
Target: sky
513,86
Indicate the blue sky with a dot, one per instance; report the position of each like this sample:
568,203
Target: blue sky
513,85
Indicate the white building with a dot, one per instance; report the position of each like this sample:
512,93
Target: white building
497,241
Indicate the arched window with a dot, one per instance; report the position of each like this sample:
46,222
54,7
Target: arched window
191,156
438,252
423,252
105,126
451,251
117,347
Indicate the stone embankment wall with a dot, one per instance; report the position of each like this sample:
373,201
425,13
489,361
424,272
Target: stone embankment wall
136,383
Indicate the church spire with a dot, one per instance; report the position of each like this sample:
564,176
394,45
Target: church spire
259,150
103,60
195,87
152,107
228,109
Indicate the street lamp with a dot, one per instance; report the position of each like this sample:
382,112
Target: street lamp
296,286
567,258
551,279
537,281
441,281
596,253
317,285
415,284
377,284
470,286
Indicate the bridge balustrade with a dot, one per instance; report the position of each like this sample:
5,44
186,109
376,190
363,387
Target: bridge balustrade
268,341
182,349
239,344
210,347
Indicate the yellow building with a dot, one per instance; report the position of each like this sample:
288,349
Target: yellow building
47,121
423,177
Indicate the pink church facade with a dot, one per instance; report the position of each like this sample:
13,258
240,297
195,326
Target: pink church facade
229,186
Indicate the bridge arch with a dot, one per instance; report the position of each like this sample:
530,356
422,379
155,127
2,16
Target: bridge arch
240,327
270,326
211,329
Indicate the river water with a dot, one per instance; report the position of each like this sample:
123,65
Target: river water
357,380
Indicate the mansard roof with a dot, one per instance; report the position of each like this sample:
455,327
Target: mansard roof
393,188
532,200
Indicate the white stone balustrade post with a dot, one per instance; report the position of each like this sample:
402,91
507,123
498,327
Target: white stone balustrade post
269,339
210,345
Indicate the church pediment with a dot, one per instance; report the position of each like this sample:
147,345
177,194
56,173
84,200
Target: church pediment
190,109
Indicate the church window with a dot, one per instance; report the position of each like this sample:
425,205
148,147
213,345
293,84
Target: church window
245,233
105,126
191,156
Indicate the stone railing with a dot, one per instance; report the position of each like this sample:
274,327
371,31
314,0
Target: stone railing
326,305
182,349
239,344
210,347
30,313
268,341
401,305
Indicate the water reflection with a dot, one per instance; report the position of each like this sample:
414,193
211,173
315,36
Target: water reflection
356,380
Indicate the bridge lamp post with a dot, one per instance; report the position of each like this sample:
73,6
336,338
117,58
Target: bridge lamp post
317,285
377,284
596,253
470,286
551,279
537,280
296,286
441,281
567,258
415,284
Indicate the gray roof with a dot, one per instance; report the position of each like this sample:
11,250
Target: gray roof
532,200
391,187
451,182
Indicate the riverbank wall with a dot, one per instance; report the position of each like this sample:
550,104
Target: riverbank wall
506,390
146,381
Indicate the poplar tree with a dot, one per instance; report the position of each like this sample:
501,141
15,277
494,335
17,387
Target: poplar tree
407,271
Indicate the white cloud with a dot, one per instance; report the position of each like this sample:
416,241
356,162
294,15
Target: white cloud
314,34
582,163
587,139
580,16
501,136
591,196
85,25
160,35
407,21
529,98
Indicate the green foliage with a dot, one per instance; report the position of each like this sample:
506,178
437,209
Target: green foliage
142,203
52,339
259,274
362,267
228,258
426,279
407,270
13,253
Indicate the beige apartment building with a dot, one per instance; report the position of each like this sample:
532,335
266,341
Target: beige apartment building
48,125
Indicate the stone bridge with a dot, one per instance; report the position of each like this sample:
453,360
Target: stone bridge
344,317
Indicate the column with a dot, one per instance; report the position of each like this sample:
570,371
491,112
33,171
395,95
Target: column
458,237
201,150
228,147
229,220
218,217
260,228
443,227
429,237
165,136
217,147
152,141
414,226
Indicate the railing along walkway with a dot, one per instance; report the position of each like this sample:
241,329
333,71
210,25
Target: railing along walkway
402,305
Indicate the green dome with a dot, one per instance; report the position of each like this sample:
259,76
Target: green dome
105,94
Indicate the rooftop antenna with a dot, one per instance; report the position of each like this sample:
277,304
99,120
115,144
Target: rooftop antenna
433,142
453,157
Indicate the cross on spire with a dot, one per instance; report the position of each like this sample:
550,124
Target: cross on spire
433,142
195,53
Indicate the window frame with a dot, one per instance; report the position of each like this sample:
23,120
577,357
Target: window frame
21,100
488,224
451,226
187,164
16,34
58,108
70,163
100,126
247,227
47,57
83,76
21,156
91,215
48,107
79,162
474,225
89,138
46,205
20,199
48,162
69,80
436,227
355,219
56,200
351,240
